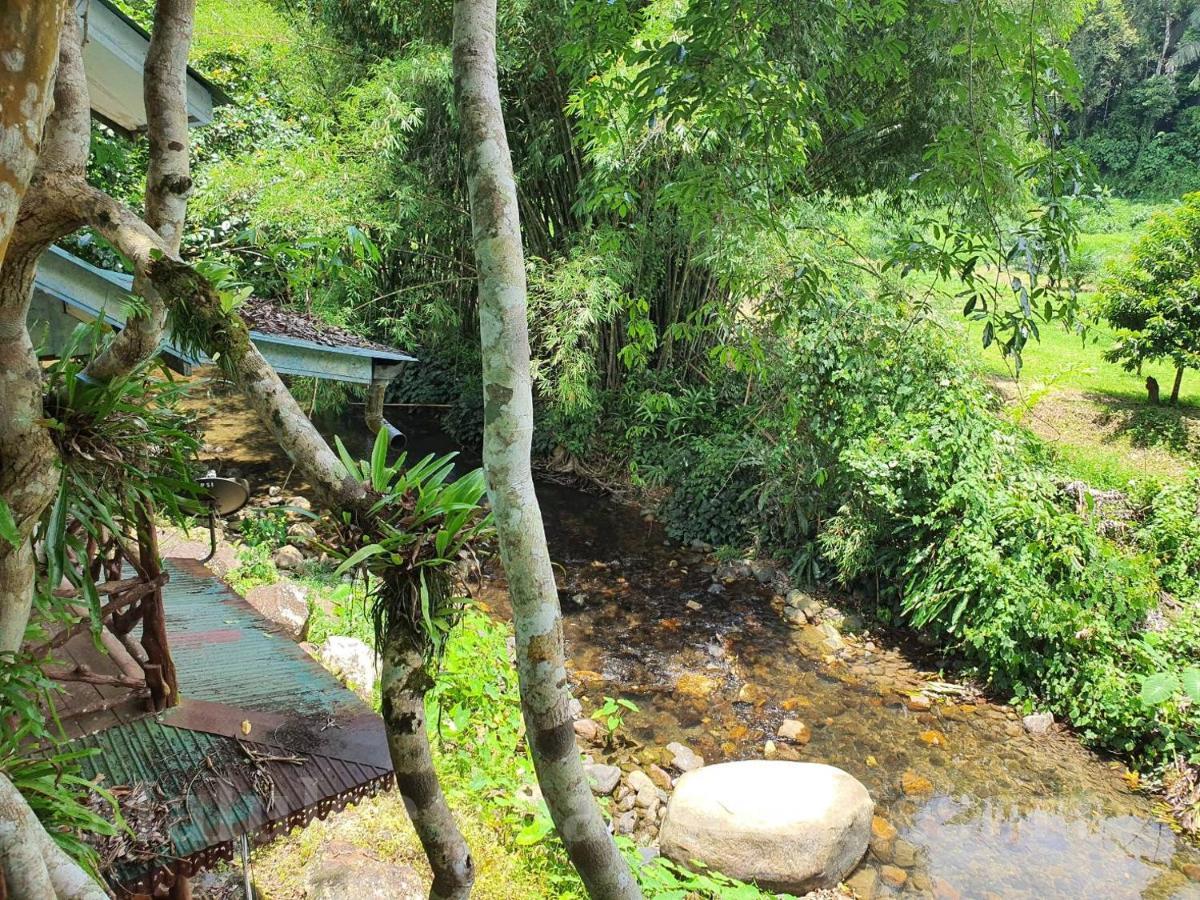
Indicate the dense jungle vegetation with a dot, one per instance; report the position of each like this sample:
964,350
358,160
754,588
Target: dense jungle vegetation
779,263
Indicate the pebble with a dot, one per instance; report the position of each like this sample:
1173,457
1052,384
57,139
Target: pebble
864,883
933,738
883,839
795,730
893,876
588,729
904,854
684,758
602,778
915,785
659,776
625,823
1038,723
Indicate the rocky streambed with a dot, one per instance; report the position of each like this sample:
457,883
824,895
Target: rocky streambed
725,661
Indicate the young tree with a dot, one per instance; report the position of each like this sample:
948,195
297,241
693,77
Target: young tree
508,430
1154,298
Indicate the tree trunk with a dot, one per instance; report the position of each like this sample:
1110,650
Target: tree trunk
30,32
508,429
32,866
1175,387
403,686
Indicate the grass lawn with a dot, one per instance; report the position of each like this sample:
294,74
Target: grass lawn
1093,411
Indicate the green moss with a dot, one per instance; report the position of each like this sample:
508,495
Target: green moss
200,321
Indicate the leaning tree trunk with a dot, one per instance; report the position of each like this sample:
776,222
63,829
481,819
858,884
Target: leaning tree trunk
1176,386
403,686
508,429
30,32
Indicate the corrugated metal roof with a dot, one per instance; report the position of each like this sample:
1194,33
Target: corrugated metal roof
218,782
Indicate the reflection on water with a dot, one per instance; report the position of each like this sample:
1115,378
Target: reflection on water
1008,816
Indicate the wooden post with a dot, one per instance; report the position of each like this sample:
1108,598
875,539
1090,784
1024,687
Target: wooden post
154,625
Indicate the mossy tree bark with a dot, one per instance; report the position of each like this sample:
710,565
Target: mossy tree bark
30,33
508,430
403,686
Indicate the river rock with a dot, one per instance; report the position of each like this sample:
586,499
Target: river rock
352,660
883,839
302,532
659,776
864,883
1038,723
791,827
603,779
589,729
795,730
625,822
683,758
693,684
795,617
288,557
915,785
893,876
284,602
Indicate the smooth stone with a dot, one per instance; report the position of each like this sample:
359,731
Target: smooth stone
893,876
795,730
603,779
904,854
786,826
288,557
684,758
693,684
1038,723
864,883
883,839
588,729
915,785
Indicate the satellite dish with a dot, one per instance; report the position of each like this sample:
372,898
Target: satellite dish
225,495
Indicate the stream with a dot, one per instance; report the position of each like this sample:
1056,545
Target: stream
982,809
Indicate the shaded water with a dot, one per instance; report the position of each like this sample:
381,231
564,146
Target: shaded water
1004,814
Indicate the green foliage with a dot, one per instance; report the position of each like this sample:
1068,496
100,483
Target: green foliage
1138,116
70,807
254,568
419,528
1154,299
126,454
267,527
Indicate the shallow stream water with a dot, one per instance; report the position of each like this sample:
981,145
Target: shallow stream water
990,811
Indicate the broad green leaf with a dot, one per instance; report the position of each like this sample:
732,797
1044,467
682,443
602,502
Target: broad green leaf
1191,684
1159,688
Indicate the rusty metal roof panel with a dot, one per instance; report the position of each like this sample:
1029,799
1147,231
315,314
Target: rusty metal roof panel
263,740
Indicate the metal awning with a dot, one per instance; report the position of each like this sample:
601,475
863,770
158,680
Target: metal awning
69,291
114,54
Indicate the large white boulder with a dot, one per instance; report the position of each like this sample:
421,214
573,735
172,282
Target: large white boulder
786,826
352,661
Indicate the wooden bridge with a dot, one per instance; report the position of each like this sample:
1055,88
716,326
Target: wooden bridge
261,739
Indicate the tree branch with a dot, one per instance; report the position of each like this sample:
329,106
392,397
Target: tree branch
168,178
